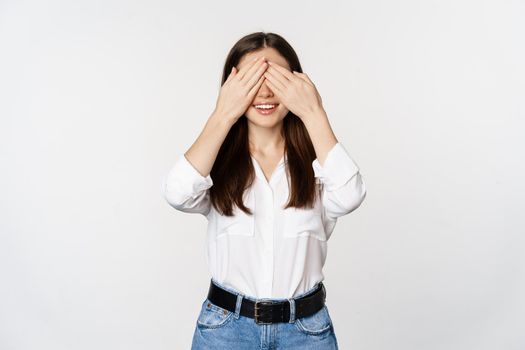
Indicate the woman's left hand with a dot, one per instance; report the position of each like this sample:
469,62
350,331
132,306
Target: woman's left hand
295,90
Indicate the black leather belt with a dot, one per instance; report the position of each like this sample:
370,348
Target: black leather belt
269,311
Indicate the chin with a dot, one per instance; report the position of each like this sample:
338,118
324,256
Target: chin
266,122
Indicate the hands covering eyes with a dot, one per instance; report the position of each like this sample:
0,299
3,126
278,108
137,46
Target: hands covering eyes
293,89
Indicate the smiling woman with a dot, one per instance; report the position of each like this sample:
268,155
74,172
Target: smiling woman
266,107
271,178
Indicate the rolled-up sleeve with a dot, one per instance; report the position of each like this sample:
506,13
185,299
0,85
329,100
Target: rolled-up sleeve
185,189
343,186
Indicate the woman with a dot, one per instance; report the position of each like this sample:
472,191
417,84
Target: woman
280,181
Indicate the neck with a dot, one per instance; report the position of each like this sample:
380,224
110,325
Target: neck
266,140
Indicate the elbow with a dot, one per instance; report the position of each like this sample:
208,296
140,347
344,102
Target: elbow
175,200
361,191
356,194
361,197
355,200
174,197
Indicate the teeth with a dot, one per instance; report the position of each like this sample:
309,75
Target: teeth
265,106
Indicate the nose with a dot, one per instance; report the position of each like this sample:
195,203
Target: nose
264,90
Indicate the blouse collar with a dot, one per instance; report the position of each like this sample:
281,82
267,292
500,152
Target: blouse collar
259,172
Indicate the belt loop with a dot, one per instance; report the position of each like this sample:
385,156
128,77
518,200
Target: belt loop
238,305
292,310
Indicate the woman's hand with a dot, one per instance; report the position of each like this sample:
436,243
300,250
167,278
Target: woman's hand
295,90
239,89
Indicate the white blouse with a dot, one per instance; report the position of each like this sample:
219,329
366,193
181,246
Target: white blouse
275,253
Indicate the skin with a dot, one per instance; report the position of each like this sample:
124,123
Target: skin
266,142
294,92
266,79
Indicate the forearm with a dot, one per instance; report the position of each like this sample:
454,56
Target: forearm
204,150
321,133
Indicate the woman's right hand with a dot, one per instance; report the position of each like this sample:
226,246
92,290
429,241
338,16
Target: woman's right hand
239,89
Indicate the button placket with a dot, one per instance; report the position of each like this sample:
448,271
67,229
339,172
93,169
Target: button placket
272,236
268,238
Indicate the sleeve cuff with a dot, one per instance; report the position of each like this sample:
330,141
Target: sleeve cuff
338,168
187,180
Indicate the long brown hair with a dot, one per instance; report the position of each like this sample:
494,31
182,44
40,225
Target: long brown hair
233,172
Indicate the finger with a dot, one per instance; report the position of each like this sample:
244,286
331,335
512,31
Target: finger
257,86
274,88
304,77
232,73
247,68
282,70
279,82
257,74
280,77
253,73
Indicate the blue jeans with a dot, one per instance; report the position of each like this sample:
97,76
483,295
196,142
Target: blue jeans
218,328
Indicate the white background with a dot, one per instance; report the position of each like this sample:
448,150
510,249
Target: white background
98,98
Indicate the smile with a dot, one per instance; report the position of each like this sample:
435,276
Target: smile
266,108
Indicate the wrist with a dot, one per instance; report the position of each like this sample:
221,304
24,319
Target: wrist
221,118
316,116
